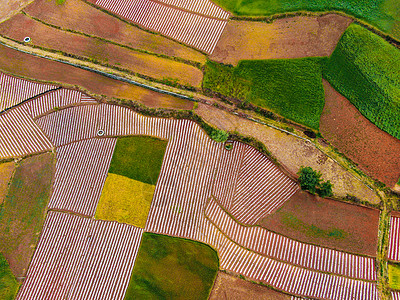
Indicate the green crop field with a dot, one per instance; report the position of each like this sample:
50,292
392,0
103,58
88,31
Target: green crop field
394,276
291,88
172,268
383,14
139,158
23,211
366,70
8,283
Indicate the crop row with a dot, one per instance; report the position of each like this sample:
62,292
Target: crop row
282,248
204,7
81,258
394,239
192,29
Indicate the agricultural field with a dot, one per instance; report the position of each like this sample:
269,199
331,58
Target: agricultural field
365,69
170,267
394,276
381,14
291,88
6,172
23,210
8,283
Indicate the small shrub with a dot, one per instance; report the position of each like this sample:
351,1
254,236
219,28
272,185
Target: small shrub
325,189
310,180
219,135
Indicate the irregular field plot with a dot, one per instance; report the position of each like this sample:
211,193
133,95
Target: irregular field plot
291,88
366,70
72,12
394,276
375,151
125,200
22,212
8,284
230,287
41,69
169,267
327,223
139,158
283,38
51,38
6,171
383,14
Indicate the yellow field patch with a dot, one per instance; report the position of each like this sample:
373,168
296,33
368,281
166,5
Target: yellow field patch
394,276
125,200
6,171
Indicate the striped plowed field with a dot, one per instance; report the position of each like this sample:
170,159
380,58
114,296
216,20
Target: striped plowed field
81,171
15,90
20,135
56,100
198,31
81,258
395,295
204,7
394,239
284,249
249,185
289,278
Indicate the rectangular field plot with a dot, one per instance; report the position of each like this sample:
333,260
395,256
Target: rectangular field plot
394,239
195,30
81,258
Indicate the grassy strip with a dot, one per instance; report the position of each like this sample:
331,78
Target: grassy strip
384,14
6,171
23,211
291,88
139,158
172,268
8,283
125,200
366,70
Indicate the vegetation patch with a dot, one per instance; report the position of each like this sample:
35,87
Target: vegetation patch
172,268
8,283
125,200
394,276
23,211
6,171
139,158
384,14
366,70
310,180
291,88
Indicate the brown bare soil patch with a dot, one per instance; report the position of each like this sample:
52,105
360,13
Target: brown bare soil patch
326,222
228,287
41,35
29,66
6,171
23,210
8,8
79,16
375,151
291,152
292,37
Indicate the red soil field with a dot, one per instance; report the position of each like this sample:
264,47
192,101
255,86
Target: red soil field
41,35
327,223
21,64
375,151
227,287
71,14
293,37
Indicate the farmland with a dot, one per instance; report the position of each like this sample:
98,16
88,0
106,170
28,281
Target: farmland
291,88
93,49
394,276
8,283
169,267
23,210
365,69
6,171
382,14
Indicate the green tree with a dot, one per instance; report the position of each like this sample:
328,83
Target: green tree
309,179
325,189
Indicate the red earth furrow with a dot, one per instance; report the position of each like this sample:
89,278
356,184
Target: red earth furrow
204,7
395,295
394,239
15,90
289,278
282,248
81,171
81,258
198,31
56,100
19,135
261,188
